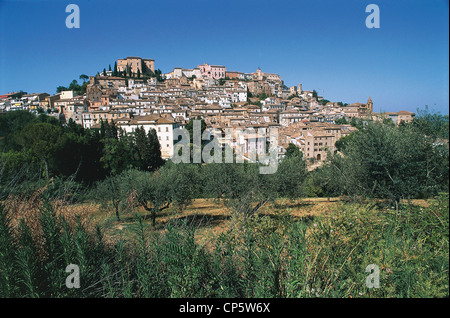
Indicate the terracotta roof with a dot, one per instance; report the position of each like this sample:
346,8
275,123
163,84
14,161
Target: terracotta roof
164,120
152,119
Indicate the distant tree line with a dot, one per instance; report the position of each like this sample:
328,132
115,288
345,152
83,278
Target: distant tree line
128,73
56,149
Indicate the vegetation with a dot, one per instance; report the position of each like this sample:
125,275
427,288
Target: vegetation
433,125
257,103
50,170
259,256
75,87
262,96
341,121
61,150
385,161
324,101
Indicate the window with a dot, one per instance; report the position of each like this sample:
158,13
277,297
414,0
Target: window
167,129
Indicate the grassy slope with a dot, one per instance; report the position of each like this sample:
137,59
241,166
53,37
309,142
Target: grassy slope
211,217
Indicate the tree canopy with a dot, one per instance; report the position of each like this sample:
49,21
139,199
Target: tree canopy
386,161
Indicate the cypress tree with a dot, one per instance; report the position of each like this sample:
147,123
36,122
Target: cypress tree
115,69
154,150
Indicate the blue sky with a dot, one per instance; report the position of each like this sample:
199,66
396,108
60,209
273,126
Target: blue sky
323,44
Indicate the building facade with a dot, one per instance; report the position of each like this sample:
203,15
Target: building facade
213,71
164,128
136,63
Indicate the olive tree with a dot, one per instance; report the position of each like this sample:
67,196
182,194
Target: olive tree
386,161
171,185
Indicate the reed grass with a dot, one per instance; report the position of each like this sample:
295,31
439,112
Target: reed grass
265,256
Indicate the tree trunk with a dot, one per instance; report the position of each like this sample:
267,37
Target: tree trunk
154,218
116,206
146,207
396,207
46,168
258,206
153,211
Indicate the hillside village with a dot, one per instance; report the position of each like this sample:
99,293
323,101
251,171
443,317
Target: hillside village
134,94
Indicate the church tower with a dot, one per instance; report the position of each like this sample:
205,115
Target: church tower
369,105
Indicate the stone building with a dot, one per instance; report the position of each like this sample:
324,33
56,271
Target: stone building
144,66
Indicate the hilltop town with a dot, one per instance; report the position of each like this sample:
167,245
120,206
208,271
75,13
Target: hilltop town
133,93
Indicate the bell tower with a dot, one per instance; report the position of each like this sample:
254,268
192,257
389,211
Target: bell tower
369,105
